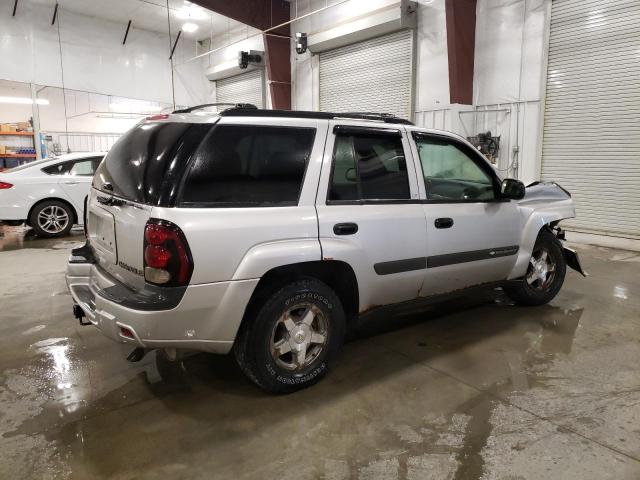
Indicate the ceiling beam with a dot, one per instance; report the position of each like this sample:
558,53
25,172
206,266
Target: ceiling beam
264,15
461,41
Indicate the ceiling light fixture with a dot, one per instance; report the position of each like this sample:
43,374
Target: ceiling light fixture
23,100
191,12
189,27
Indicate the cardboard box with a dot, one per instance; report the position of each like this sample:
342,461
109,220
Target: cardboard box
8,128
2,150
23,126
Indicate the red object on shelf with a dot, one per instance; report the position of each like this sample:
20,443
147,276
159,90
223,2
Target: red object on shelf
17,155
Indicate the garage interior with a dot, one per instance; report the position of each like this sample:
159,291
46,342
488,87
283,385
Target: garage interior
471,388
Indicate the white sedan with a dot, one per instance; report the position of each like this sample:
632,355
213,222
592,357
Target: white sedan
49,195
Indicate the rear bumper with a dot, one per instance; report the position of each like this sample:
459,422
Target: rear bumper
207,317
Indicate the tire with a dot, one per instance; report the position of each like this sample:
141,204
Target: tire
532,289
51,218
303,314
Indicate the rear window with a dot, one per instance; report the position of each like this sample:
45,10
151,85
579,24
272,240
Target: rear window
145,163
241,165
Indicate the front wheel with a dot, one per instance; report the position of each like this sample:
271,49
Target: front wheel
545,273
293,337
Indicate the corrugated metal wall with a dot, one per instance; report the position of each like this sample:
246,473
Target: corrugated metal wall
370,76
591,142
244,88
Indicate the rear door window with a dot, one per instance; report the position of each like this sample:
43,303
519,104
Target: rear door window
369,166
243,165
82,168
57,169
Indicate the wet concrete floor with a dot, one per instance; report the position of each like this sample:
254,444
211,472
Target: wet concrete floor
468,389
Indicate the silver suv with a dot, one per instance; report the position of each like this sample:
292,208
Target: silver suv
267,232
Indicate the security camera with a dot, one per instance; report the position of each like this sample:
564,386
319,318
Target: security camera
245,58
301,42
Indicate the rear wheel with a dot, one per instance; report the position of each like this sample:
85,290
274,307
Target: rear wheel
545,273
51,218
293,337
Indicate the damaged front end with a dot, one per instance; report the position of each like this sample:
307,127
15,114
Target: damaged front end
544,205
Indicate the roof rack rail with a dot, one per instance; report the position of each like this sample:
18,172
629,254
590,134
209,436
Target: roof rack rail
377,117
240,106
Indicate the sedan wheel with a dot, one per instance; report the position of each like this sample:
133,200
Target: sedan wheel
51,218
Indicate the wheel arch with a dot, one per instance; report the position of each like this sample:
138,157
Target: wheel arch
54,199
537,222
337,275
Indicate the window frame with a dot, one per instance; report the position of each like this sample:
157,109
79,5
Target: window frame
180,203
474,155
95,160
353,130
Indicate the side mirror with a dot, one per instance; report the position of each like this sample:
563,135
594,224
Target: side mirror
513,189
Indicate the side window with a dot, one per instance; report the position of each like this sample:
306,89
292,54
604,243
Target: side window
451,174
57,169
249,166
369,167
82,168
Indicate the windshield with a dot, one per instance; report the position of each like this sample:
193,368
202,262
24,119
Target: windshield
147,161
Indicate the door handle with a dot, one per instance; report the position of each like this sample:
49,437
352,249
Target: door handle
345,228
443,222
71,183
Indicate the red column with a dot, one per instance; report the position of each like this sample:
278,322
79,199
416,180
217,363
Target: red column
461,41
264,14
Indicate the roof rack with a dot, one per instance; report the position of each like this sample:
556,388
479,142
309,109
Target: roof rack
240,106
242,111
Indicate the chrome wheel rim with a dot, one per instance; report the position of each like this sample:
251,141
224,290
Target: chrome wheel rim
53,219
299,337
542,270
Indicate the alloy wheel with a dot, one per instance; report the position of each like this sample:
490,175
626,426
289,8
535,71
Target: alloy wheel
299,336
53,219
542,270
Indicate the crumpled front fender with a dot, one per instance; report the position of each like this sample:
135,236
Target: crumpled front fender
543,204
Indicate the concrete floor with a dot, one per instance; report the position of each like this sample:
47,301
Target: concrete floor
465,390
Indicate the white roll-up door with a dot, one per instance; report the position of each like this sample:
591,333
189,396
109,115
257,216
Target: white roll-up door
244,88
591,140
370,76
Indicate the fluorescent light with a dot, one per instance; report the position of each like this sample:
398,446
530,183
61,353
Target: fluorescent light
23,100
189,27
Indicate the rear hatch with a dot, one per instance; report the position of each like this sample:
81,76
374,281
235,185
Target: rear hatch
142,170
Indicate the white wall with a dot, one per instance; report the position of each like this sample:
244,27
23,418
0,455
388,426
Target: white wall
509,75
93,57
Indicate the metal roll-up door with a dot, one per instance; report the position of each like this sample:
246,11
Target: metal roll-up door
244,88
591,142
370,76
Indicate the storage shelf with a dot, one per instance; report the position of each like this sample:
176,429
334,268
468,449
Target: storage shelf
17,155
18,134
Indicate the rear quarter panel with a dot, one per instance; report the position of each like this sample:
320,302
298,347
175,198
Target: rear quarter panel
28,189
245,243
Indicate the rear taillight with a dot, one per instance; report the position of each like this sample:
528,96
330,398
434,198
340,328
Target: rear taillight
5,185
167,259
